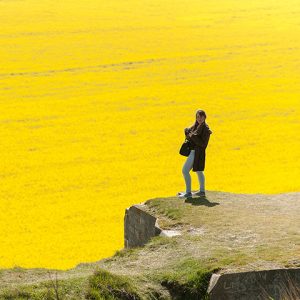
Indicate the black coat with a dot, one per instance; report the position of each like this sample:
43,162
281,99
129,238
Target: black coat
199,139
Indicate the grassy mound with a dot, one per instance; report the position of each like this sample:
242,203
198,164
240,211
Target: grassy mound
104,285
222,233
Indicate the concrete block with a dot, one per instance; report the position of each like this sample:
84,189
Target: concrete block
257,285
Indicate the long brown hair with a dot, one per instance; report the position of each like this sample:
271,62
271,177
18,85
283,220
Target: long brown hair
201,113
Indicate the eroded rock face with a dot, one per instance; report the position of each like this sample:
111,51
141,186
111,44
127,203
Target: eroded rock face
139,226
256,285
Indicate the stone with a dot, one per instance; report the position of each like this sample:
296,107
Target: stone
139,226
256,285
170,233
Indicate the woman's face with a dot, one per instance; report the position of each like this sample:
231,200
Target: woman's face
200,119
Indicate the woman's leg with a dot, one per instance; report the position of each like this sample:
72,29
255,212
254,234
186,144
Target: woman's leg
186,171
201,179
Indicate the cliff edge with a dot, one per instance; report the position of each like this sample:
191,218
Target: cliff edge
224,246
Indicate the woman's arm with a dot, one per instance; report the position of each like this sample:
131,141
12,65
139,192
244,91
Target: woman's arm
187,130
200,139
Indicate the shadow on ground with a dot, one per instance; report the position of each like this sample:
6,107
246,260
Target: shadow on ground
201,201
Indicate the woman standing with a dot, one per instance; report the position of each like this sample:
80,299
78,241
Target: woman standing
198,135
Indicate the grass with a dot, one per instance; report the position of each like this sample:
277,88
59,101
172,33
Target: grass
125,252
104,285
188,279
174,211
222,233
47,290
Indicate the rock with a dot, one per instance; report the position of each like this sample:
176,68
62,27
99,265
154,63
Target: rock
170,233
139,226
268,284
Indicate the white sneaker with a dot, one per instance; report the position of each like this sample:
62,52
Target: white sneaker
199,193
185,195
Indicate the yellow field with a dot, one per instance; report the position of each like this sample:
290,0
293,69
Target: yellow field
94,98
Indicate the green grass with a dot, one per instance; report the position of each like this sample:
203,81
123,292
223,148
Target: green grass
104,285
48,290
173,211
188,279
126,252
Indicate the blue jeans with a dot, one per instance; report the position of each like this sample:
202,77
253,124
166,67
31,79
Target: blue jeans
188,165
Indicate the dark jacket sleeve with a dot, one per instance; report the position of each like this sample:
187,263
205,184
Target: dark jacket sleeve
187,131
202,139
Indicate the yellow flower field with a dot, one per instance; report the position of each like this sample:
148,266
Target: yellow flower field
95,96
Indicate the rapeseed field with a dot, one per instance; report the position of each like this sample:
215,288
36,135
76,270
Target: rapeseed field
94,98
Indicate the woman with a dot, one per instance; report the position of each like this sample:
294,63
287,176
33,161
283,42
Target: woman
198,135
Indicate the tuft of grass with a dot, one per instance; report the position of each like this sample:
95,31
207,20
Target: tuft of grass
105,285
189,279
